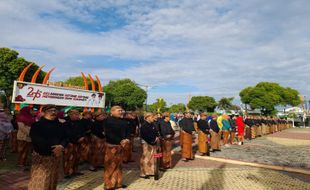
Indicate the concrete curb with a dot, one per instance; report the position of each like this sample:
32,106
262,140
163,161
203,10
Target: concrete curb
279,168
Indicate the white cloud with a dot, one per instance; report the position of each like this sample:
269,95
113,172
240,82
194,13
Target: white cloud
219,47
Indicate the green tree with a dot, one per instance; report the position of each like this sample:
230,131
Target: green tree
225,103
290,97
203,103
79,81
125,93
266,96
158,106
177,108
2,99
10,68
76,81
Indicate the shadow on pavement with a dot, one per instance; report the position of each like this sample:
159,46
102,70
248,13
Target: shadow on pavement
215,175
272,179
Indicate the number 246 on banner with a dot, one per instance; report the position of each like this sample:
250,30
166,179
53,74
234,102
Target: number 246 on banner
32,93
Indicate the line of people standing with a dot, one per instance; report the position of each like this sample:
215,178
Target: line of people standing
102,142
156,135
209,129
214,131
59,144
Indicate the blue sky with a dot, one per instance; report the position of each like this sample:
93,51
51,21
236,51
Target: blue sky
180,47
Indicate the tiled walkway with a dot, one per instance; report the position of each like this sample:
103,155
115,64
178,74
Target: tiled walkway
289,147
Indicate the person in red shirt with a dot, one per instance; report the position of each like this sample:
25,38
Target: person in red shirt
240,128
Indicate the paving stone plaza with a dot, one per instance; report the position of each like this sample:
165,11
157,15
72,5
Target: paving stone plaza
200,179
289,148
154,94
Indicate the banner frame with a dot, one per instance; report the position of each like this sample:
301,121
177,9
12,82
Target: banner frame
56,87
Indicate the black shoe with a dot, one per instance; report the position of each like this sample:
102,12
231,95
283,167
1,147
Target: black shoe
122,187
208,154
78,174
92,170
145,177
68,177
162,169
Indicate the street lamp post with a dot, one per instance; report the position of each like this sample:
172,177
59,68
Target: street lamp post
305,103
147,87
147,95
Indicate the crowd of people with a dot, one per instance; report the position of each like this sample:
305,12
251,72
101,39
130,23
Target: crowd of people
6,129
214,131
59,143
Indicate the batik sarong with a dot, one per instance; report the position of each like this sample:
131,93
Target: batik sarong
97,151
13,141
23,151
215,141
70,159
127,151
202,142
166,160
44,172
85,149
113,175
187,150
147,161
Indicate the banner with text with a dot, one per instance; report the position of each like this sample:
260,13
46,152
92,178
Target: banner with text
32,93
